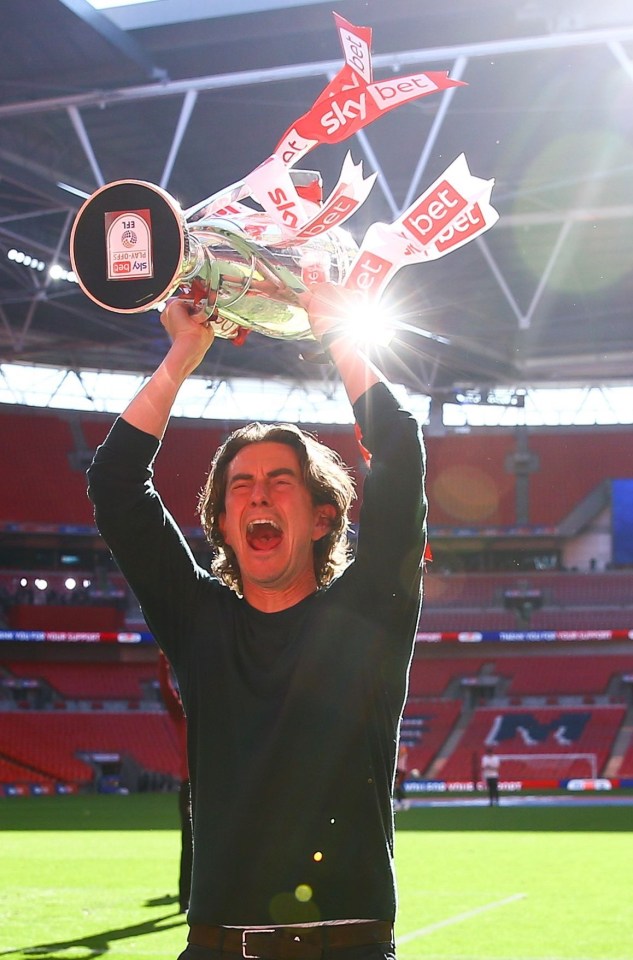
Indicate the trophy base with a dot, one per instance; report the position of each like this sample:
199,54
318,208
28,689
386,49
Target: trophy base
112,249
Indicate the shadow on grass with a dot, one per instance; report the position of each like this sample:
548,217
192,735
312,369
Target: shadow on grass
96,944
161,901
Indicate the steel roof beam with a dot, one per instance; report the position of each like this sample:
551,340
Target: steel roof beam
389,61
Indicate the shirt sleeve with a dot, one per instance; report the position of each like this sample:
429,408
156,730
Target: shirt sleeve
392,524
143,537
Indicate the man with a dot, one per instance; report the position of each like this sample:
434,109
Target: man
293,674
490,765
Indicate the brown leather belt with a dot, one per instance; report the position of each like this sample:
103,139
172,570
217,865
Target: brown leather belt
290,943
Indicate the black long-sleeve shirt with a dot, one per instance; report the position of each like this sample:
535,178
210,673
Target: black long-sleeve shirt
293,716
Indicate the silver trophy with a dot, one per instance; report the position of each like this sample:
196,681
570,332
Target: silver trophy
132,247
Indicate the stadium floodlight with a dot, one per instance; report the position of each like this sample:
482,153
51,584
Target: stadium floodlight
56,272
26,259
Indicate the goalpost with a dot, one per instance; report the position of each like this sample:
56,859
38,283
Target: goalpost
553,765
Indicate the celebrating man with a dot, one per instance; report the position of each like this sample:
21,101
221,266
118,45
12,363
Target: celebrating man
291,658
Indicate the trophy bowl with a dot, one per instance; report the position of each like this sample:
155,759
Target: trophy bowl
132,248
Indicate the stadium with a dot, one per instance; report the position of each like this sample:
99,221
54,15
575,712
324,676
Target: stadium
512,351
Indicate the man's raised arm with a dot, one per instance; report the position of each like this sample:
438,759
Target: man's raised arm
191,336
328,306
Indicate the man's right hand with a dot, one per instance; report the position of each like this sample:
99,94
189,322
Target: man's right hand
191,333
328,306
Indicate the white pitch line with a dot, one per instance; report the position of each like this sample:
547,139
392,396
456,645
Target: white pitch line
458,918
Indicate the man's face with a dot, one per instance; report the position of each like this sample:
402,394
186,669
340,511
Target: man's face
270,522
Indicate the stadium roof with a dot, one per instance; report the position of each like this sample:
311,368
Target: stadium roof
194,95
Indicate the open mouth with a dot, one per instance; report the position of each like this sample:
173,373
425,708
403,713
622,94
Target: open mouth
263,535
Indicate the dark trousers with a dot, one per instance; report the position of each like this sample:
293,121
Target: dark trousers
186,846
493,789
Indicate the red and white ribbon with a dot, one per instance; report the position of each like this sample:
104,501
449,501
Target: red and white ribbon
271,185
451,212
350,192
351,100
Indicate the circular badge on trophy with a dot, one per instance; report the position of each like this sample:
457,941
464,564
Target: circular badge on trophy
127,246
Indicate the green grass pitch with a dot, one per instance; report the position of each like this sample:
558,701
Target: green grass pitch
84,877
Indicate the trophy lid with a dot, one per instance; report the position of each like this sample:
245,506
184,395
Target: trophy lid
127,246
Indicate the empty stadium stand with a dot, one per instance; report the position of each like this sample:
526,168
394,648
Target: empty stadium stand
528,704
559,589
57,746
531,675
38,445
14,772
561,675
569,600
542,707
625,767
425,727
468,482
89,681
534,732
431,678
60,705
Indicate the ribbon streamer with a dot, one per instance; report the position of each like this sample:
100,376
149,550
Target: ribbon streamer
451,212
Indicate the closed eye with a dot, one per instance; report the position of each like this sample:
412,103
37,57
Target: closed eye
240,485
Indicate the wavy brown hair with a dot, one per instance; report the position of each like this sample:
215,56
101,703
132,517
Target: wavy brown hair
325,476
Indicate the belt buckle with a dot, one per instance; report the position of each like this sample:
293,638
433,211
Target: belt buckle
246,933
